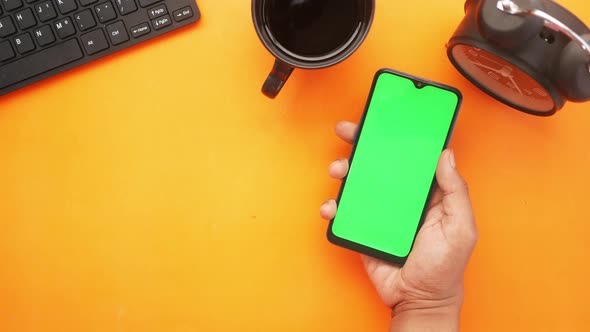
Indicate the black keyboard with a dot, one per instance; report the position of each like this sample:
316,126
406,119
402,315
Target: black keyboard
40,38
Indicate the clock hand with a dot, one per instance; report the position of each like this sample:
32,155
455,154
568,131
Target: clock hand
490,60
486,67
511,78
507,73
501,72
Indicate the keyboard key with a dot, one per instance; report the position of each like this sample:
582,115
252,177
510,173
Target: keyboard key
24,43
85,20
182,14
105,12
44,35
87,2
140,30
12,4
45,11
64,28
157,11
6,52
117,33
145,3
161,22
41,38
66,6
126,6
6,26
25,19
94,41
40,62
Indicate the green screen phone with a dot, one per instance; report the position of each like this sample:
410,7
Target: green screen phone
406,125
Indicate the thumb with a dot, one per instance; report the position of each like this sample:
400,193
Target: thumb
454,189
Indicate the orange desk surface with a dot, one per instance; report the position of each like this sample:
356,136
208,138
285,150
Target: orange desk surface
158,190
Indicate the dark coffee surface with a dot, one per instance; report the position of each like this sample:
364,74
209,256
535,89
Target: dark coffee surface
312,28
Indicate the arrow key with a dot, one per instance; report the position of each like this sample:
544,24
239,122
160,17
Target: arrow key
157,11
140,30
182,13
161,22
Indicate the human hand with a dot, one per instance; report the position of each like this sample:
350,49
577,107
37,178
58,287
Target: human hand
428,289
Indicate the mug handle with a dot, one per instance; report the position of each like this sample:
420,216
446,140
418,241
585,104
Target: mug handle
276,79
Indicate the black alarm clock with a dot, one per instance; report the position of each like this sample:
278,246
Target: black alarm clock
532,55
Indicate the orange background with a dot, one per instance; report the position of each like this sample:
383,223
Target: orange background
158,190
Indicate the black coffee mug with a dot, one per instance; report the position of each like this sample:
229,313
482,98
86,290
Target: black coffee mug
309,34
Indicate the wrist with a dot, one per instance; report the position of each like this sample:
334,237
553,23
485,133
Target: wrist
440,315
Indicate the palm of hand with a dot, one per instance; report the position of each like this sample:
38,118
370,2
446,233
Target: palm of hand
428,274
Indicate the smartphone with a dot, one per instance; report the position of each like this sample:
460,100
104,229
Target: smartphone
382,202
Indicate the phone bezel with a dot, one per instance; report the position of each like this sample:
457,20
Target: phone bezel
342,242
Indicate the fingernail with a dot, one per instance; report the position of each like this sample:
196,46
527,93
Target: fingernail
338,162
323,209
452,159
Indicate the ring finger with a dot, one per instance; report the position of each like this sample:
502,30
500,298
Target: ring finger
339,168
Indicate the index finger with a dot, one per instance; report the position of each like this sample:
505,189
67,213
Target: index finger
346,131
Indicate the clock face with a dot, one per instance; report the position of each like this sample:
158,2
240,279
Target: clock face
503,79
